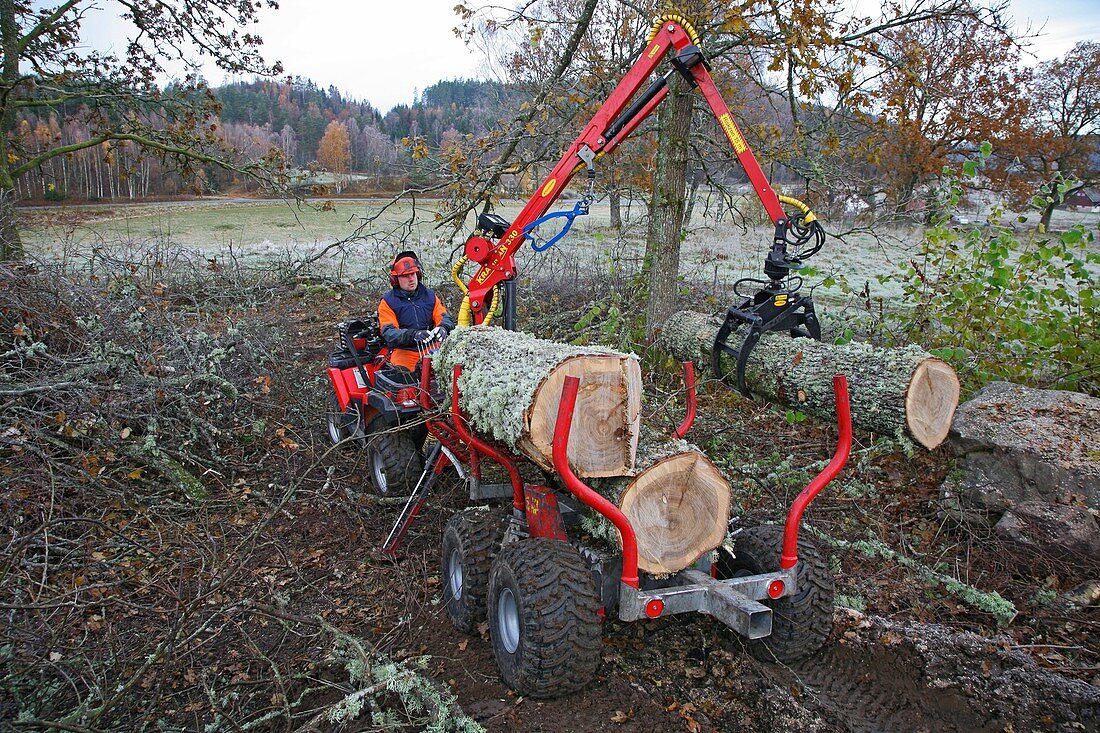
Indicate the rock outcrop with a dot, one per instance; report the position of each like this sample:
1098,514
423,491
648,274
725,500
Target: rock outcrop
1029,464
1056,531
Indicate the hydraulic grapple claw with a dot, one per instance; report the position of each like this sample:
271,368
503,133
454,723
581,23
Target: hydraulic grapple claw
769,310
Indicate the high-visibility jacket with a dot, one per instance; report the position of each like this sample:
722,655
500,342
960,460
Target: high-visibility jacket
402,313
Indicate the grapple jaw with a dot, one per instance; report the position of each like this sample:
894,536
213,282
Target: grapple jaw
777,305
771,309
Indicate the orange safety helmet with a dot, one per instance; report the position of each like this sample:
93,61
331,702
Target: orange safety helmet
405,263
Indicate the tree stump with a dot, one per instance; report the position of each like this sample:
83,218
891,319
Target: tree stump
511,385
904,392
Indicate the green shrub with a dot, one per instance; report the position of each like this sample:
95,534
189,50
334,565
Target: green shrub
53,193
1002,304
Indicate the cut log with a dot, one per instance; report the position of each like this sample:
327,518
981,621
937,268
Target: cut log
902,392
678,504
511,385
679,508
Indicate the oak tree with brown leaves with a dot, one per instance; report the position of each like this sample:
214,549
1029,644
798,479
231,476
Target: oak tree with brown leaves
948,86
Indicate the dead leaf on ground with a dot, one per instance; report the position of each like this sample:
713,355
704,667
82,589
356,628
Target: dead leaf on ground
890,638
621,717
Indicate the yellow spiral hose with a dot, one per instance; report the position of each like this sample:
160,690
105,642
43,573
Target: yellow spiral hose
465,312
807,215
683,22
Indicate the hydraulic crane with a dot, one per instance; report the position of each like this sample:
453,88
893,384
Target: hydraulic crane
776,305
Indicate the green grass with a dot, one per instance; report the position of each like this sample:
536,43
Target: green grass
215,225
713,256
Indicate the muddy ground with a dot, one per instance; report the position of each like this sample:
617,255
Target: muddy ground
874,674
257,605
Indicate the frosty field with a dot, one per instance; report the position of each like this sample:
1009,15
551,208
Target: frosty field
269,233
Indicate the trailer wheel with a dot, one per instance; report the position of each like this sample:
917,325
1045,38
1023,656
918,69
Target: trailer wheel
543,618
394,459
341,425
470,543
800,623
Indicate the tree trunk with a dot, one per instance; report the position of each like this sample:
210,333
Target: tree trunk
666,207
615,200
510,388
903,392
1047,215
11,244
692,191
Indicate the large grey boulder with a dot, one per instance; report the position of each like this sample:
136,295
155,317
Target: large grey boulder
1017,444
1055,531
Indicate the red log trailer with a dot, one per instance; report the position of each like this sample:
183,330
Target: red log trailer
525,566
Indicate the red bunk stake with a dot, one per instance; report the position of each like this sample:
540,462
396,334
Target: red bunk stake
480,446
689,382
843,448
582,491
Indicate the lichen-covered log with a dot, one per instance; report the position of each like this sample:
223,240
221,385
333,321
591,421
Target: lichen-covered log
903,392
678,504
510,388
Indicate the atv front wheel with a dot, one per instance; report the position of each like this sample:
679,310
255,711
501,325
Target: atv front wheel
800,623
394,460
470,543
341,425
543,621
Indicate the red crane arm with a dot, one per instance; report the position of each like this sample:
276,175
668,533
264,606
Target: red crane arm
672,36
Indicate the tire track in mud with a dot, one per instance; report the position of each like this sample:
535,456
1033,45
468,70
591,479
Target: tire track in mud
879,677
879,691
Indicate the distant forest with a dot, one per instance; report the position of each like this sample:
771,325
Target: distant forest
258,116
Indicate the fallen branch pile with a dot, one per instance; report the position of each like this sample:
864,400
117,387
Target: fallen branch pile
146,473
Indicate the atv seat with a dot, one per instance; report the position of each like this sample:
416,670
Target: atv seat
392,378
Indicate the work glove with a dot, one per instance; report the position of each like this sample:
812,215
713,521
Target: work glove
439,333
423,337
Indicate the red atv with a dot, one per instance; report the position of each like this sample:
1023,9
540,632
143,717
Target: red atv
376,405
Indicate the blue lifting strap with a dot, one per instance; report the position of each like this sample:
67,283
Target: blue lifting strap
580,209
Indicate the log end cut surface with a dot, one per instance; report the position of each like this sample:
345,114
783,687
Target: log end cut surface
930,402
604,434
679,509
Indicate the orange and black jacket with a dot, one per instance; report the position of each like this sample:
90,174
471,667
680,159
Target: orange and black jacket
401,314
